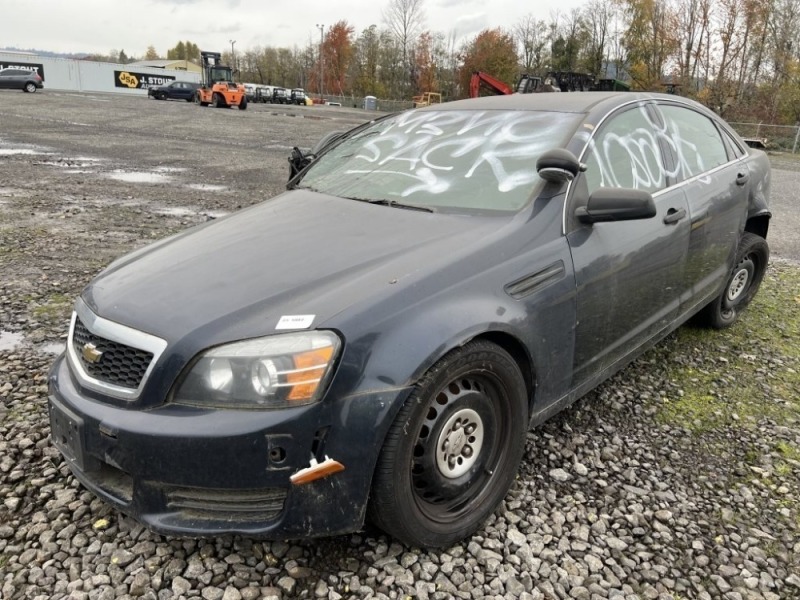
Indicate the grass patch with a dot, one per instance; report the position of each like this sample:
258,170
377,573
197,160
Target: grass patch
743,374
55,306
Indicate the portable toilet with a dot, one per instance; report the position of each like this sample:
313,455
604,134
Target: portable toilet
370,103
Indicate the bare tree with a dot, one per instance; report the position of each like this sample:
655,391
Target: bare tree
405,19
693,20
531,36
597,17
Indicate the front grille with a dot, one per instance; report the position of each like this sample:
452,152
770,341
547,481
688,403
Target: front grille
227,505
119,364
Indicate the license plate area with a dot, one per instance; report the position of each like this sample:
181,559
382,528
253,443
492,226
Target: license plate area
66,429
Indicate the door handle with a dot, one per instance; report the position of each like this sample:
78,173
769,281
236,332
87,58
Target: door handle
674,215
742,178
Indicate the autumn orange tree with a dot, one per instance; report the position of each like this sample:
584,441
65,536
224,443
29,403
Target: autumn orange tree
425,64
337,53
492,51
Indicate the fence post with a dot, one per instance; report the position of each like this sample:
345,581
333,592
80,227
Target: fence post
796,136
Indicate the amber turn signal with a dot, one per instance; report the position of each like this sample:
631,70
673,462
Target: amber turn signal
317,470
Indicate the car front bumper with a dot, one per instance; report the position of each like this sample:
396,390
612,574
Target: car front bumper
200,472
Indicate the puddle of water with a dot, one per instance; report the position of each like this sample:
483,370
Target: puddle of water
207,187
10,340
169,169
53,348
175,211
78,171
20,152
139,177
87,159
182,211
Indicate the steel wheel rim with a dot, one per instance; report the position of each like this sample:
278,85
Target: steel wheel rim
459,444
445,495
738,284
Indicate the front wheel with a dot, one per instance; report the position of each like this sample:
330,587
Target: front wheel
243,103
452,452
743,282
217,101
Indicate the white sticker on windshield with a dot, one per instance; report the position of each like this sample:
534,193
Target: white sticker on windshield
295,322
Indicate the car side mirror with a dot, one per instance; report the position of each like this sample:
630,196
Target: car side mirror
616,204
559,166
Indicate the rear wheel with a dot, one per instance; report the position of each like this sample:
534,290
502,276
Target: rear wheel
217,101
743,283
30,87
452,452
243,103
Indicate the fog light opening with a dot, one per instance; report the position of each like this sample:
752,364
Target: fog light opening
277,455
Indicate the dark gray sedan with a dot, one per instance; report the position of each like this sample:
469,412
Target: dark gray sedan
376,341
176,90
14,78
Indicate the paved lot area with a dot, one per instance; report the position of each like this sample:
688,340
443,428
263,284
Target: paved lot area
614,500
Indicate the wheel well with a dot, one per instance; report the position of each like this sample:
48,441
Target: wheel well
517,351
758,225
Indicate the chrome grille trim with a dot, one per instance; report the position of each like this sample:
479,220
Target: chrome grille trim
115,332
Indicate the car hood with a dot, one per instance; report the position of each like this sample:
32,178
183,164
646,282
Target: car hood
302,253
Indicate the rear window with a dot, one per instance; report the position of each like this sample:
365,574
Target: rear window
483,160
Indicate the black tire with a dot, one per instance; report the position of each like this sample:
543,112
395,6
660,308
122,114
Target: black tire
243,103
743,282
162,96
453,450
30,88
217,101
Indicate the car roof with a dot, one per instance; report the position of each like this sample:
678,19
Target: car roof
574,102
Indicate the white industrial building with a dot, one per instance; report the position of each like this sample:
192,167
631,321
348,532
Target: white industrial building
69,74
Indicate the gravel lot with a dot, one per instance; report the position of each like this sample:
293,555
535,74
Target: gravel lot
618,497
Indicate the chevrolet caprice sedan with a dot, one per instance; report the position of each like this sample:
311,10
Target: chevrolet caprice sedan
375,342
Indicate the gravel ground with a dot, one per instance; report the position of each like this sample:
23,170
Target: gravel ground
665,483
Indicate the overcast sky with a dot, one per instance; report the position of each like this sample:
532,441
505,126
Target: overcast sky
98,26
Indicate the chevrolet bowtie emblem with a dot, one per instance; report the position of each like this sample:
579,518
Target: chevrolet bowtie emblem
91,353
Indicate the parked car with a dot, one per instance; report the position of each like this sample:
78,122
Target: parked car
176,90
27,80
250,91
298,96
280,96
264,94
376,341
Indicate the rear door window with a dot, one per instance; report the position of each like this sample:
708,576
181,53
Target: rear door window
694,140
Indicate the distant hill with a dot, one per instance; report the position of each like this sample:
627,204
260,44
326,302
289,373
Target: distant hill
47,52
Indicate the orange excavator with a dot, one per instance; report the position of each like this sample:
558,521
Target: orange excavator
526,85
217,86
556,81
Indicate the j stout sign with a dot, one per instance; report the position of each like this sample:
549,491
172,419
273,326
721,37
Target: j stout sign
139,81
23,65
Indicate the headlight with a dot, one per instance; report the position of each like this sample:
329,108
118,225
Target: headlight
271,372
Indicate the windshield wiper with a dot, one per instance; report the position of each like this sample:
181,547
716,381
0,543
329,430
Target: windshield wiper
396,204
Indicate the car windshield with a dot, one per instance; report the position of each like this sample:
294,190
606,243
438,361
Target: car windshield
450,159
